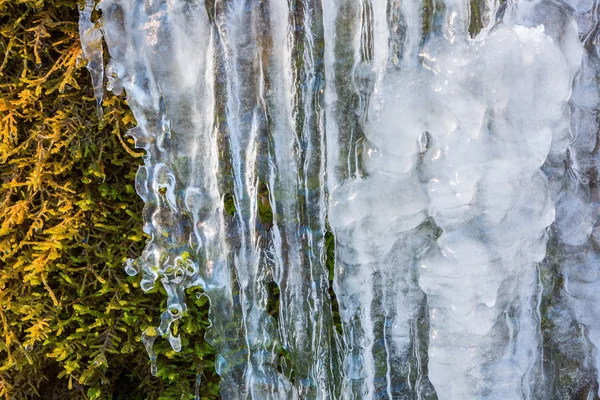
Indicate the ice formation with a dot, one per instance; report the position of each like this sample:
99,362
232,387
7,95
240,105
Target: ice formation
449,146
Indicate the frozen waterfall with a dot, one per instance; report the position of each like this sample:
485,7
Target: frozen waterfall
449,146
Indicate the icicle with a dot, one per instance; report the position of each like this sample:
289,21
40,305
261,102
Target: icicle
481,280
91,47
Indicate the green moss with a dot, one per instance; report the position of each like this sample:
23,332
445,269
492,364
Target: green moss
476,22
265,212
229,203
330,263
70,318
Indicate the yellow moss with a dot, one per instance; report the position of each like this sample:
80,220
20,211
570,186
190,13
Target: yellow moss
69,321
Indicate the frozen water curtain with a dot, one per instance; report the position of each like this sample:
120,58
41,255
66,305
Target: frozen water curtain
449,150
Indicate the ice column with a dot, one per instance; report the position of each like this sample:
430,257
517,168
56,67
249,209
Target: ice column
497,103
377,201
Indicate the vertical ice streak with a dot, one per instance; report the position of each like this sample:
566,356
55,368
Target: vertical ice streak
351,26
377,211
298,195
577,225
240,26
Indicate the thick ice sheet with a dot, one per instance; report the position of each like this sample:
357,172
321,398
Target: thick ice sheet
450,147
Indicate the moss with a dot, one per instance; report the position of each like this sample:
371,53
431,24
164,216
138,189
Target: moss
265,212
476,22
229,204
70,318
330,263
